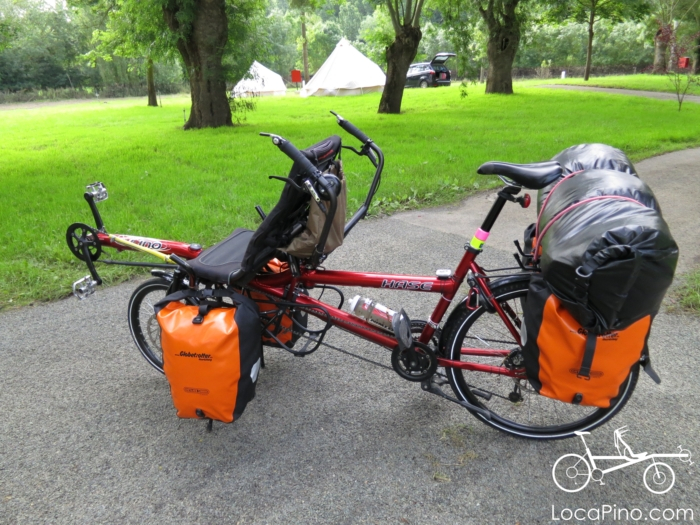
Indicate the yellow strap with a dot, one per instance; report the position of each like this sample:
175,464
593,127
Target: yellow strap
477,244
124,242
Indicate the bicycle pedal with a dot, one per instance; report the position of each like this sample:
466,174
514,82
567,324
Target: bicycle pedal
84,287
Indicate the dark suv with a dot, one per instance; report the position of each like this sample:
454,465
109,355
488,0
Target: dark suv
430,74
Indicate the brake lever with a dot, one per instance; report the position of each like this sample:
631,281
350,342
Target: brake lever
286,180
312,191
365,152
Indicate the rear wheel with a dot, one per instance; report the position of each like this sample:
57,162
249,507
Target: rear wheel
424,83
142,320
516,408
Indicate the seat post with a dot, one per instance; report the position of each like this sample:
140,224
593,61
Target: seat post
506,194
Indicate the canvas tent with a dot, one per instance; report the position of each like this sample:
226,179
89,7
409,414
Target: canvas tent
260,81
345,72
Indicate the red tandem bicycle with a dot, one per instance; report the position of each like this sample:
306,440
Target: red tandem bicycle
477,352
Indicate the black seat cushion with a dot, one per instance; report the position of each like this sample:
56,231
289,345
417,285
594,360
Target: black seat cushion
221,263
533,176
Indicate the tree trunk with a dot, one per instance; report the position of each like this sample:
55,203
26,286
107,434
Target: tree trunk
305,48
202,49
672,57
589,52
152,101
696,57
504,38
399,56
660,47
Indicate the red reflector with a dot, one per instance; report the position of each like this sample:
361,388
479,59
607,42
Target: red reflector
526,200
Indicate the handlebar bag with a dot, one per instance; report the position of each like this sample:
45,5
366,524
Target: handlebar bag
565,361
211,352
304,244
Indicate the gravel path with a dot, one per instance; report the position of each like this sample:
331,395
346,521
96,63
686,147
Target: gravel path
89,435
632,92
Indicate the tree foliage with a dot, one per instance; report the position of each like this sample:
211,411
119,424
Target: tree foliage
617,44
592,11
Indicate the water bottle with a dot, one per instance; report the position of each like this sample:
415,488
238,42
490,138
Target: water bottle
372,312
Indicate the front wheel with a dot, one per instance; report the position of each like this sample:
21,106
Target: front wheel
143,324
515,407
659,478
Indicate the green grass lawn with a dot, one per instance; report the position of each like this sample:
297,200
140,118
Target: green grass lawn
197,186
690,292
639,82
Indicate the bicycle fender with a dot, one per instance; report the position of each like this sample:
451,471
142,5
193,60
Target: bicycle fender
459,308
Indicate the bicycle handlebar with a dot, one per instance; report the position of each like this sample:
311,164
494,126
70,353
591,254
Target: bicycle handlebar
293,153
351,128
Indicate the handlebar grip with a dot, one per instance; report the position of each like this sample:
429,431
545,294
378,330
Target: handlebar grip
352,129
297,156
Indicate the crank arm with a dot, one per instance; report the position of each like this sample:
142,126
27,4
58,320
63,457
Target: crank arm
428,386
90,264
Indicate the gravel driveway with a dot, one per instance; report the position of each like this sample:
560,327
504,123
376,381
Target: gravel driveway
88,433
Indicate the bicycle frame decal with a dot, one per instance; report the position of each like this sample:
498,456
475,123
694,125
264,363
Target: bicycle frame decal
572,472
407,285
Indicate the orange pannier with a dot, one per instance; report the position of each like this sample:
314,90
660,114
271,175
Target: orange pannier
568,362
275,320
211,352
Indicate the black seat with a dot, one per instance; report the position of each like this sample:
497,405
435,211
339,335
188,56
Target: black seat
221,263
533,176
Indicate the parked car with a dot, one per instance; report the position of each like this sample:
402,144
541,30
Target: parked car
430,74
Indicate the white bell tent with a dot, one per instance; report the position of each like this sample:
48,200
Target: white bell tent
260,81
345,72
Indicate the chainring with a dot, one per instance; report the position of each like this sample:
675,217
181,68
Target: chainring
421,370
78,235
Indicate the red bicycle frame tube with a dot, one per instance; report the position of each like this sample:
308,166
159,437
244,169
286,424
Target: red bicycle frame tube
181,249
282,286
275,285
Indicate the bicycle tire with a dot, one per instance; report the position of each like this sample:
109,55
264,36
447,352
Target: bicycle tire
142,320
533,416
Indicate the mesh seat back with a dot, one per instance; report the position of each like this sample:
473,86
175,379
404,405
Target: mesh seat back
292,207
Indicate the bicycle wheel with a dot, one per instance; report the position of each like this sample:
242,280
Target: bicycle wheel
659,478
142,320
514,405
571,473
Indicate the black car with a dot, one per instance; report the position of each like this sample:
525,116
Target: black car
430,74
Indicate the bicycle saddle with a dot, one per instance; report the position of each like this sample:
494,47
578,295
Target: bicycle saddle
533,176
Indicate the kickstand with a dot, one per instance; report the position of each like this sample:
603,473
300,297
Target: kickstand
429,386
210,425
